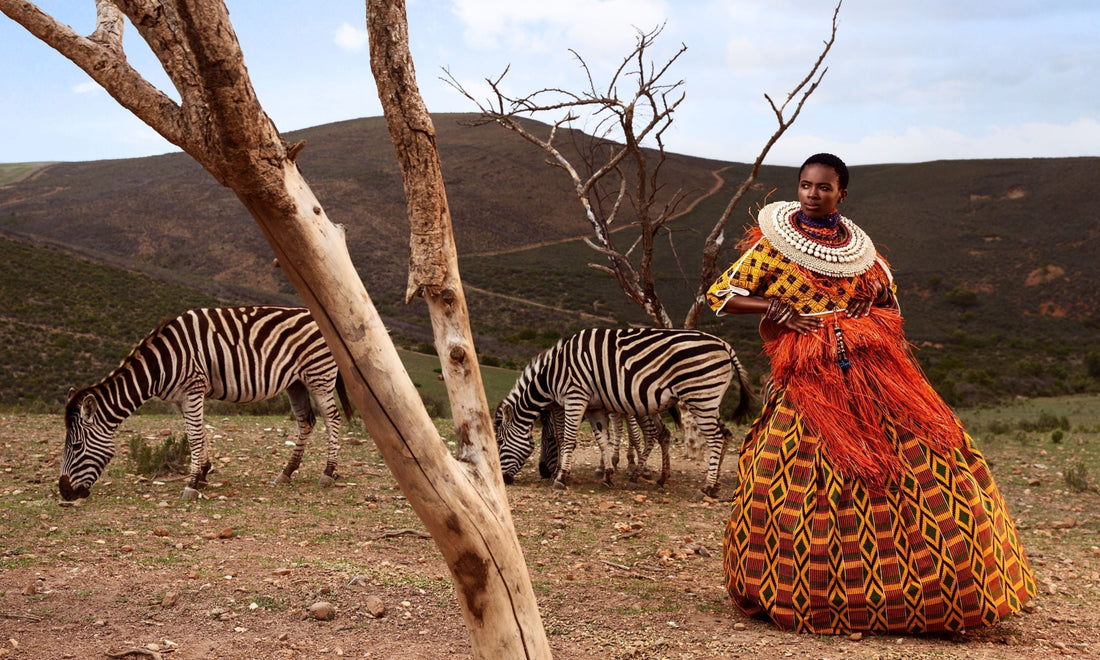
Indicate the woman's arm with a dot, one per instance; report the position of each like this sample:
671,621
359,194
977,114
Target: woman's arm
759,305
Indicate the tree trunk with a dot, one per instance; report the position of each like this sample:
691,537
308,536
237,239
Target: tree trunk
221,124
501,612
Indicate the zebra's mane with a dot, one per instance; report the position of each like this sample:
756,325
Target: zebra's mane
122,366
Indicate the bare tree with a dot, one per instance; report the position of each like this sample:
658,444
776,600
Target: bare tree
616,174
220,123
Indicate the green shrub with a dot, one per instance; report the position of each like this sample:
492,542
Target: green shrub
1092,364
173,456
1077,479
437,408
962,297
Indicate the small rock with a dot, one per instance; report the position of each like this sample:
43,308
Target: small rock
856,636
738,626
322,611
126,548
161,531
375,607
226,533
281,571
1034,481
283,637
169,599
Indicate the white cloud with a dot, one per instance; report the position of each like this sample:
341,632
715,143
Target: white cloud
349,38
926,143
590,27
90,87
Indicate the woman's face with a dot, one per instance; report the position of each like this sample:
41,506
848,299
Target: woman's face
819,190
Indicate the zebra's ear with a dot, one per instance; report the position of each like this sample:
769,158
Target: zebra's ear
87,408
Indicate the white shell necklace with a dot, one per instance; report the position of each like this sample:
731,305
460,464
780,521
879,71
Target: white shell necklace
854,257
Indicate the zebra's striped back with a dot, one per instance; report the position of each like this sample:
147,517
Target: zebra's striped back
237,354
636,371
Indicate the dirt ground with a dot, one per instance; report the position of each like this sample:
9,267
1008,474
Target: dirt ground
630,572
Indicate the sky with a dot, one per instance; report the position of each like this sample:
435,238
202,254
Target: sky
905,82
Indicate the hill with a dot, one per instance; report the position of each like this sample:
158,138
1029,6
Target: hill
996,260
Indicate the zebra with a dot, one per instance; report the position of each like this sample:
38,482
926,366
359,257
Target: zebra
635,371
607,427
238,354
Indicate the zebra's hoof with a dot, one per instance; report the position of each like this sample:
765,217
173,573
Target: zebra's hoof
281,480
325,481
559,484
189,494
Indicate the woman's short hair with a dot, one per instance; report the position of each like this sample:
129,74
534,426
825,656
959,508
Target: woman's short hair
829,160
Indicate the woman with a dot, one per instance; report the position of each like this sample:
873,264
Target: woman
862,504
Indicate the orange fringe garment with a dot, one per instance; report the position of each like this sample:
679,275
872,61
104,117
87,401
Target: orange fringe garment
846,407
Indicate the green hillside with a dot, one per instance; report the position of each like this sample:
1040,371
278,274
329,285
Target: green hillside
67,322
995,260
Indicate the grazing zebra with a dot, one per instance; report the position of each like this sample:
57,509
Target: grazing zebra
607,427
636,371
239,354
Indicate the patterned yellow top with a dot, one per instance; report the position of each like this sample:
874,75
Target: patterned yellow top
764,271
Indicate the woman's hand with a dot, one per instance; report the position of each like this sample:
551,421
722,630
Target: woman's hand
803,324
859,308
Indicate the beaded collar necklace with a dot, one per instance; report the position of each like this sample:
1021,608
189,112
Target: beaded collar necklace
850,254
830,221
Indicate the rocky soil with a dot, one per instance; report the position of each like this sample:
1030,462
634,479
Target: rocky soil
258,571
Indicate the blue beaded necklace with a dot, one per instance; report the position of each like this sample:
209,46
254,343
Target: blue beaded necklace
830,221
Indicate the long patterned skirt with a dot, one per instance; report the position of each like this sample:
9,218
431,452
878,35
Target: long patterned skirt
818,553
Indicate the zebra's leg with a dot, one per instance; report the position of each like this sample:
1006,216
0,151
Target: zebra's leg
303,413
651,427
664,438
717,436
553,424
615,437
598,420
327,403
192,409
573,417
656,433
635,463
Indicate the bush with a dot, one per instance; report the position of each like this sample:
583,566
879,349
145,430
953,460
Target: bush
962,297
173,456
1077,479
437,408
1092,364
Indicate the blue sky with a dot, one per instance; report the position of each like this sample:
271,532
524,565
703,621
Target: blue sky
907,81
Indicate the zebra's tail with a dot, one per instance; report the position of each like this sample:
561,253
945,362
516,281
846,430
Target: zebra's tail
342,392
746,399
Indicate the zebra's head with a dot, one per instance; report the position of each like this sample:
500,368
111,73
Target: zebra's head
89,445
514,441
